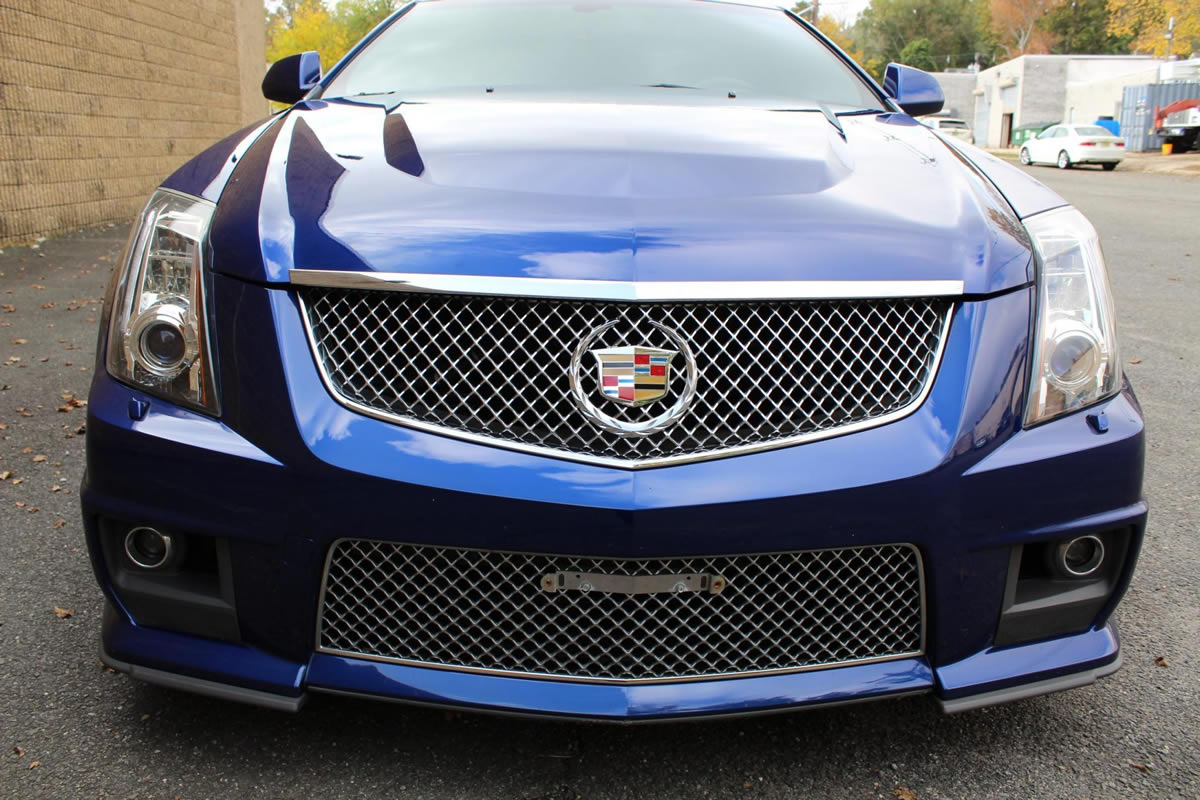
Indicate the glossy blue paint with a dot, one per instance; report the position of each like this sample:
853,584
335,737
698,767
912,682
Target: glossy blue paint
1025,193
231,664
915,91
942,479
617,192
206,174
619,703
999,668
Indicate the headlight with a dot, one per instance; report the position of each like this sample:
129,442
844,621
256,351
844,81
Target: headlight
1075,347
157,337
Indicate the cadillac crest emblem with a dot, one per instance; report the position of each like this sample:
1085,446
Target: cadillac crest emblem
634,376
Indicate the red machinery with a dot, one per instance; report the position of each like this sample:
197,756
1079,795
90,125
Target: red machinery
1178,123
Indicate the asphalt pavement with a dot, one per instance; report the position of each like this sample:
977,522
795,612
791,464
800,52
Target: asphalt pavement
71,729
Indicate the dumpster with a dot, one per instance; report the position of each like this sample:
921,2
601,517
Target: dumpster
1023,133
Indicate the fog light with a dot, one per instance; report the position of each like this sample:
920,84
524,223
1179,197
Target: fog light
148,548
1078,557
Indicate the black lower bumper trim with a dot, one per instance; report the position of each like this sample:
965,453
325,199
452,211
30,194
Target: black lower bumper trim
998,696
221,691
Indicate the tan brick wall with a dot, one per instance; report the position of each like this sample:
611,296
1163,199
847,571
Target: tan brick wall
102,99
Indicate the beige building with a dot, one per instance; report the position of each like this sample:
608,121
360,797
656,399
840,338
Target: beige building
102,99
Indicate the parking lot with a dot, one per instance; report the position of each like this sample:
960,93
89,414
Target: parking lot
69,728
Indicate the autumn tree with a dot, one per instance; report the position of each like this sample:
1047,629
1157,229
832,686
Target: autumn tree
1019,25
299,25
1146,22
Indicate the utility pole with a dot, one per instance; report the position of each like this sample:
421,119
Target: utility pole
816,12
1170,37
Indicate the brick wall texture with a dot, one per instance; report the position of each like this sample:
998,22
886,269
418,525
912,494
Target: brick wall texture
100,100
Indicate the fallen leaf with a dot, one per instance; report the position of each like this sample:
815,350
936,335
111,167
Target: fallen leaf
32,510
38,459
18,751
1162,661
34,764
59,523
1141,767
1135,361
904,794
1174,279
5,475
20,503
25,450
20,341
17,481
8,308
145,717
63,613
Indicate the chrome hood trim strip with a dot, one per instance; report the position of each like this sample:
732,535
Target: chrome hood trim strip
624,291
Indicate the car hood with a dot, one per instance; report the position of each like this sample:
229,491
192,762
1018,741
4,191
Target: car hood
612,192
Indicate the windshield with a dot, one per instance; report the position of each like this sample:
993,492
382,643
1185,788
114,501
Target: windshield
669,51
1092,130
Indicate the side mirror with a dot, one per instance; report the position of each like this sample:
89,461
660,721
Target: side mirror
289,79
913,90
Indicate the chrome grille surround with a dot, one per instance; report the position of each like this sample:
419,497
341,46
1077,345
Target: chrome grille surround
495,369
485,611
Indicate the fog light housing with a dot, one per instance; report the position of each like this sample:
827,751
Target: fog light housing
1080,557
149,548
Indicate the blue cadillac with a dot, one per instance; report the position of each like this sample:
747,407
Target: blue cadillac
626,361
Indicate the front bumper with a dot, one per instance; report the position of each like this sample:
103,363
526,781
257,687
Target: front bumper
287,471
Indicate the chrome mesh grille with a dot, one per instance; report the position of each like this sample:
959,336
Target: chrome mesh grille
487,610
497,367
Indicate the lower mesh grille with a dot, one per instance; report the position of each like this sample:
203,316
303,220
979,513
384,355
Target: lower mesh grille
491,611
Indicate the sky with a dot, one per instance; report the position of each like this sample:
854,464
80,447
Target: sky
844,10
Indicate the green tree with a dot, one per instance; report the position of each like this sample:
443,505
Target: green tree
358,17
919,53
951,26
1081,26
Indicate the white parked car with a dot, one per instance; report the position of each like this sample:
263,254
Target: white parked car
1068,145
957,128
